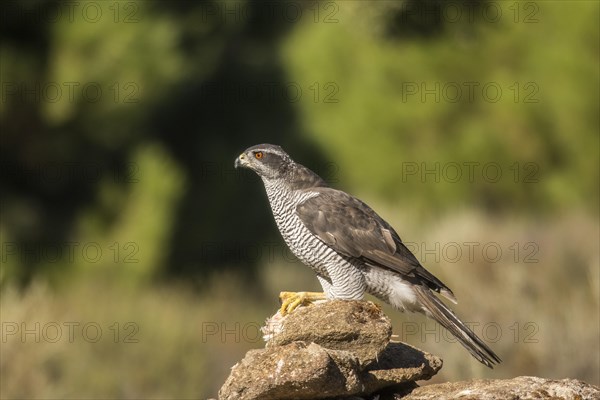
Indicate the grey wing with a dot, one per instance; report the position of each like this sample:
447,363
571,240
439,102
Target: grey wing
353,229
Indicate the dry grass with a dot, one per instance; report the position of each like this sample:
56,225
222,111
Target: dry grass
538,308
171,351
547,312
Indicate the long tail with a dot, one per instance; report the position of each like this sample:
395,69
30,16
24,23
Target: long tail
437,310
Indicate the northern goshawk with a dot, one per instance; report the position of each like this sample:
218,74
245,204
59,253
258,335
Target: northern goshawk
352,250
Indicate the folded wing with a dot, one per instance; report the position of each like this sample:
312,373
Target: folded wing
353,229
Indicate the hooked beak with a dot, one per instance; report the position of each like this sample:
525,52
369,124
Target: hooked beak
240,161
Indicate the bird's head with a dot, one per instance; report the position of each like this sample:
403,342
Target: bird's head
267,160
271,163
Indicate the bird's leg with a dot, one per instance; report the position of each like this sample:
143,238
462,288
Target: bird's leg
292,300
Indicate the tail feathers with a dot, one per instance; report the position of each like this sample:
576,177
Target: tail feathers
437,310
447,293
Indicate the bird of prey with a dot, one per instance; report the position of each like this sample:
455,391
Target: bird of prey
352,250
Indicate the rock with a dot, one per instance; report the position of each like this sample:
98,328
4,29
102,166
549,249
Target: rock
342,350
357,326
308,371
400,363
293,371
331,350
522,387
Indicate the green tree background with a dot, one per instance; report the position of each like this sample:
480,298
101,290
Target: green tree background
459,122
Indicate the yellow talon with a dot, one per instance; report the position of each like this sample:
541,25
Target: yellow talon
292,300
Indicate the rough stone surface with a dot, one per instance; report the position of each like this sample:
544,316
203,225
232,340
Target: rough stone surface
522,387
341,350
357,326
294,371
400,363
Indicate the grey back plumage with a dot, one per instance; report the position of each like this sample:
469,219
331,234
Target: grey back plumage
352,228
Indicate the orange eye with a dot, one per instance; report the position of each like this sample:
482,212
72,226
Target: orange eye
258,155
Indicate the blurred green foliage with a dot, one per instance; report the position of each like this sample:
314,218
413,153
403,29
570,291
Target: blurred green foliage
84,96
119,131
395,100
490,91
